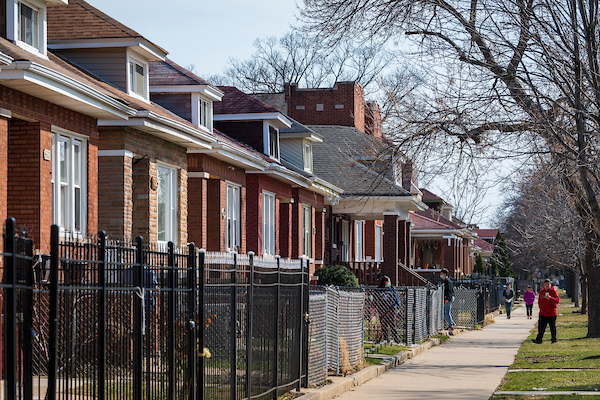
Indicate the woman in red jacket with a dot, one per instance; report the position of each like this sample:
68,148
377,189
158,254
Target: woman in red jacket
547,300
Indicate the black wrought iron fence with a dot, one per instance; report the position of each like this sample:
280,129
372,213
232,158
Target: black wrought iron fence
105,319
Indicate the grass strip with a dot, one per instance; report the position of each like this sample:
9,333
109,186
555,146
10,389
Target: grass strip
559,380
541,396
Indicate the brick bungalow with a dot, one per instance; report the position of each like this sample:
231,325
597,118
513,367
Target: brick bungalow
49,112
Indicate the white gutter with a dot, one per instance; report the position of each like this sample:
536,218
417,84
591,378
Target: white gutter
19,70
5,59
207,90
178,130
282,120
234,154
282,172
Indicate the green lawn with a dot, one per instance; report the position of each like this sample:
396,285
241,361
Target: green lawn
572,350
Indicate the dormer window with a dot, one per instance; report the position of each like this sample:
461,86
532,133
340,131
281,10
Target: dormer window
206,114
137,78
27,27
307,156
273,142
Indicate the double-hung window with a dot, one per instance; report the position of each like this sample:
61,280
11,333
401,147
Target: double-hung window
273,142
167,203
359,241
307,155
205,114
28,29
69,179
306,231
268,223
232,218
137,77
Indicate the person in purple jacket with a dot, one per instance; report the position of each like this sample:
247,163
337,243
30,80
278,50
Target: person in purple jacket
529,297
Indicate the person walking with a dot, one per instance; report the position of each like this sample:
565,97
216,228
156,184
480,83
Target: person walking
529,297
448,297
547,300
388,308
509,296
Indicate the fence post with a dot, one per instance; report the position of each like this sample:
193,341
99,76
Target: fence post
138,310
171,320
233,330
277,326
192,317
305,322
250,327
10,324
200,394
27,323
53,323
407,324
102,316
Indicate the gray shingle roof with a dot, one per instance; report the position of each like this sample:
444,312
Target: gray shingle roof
351,160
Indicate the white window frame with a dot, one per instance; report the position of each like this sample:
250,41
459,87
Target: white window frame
12,25
172,208
269,211
307,156
133,58
307,231
64,215
360,238
198,117
378,242
267,140
233,238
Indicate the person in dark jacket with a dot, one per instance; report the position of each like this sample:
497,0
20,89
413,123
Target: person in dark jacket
388,307
547,301
509,296
448,297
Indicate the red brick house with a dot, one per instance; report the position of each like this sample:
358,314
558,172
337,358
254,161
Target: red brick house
48,128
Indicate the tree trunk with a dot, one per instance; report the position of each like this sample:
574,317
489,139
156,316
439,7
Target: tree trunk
584,306
593,281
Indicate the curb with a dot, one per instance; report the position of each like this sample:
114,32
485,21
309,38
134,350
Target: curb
343,384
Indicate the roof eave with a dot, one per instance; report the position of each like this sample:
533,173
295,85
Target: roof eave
209,91
139,44
276,118
64,90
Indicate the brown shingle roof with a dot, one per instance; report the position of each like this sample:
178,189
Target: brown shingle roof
237,102
429,196
170,73
485,246
79,20
420,222
486,233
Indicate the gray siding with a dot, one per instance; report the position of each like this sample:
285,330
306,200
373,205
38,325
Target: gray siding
291,151
110,65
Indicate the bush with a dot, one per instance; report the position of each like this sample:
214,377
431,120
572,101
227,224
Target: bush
336,275
479,267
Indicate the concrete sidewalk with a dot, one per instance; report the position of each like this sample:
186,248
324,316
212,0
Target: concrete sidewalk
468,366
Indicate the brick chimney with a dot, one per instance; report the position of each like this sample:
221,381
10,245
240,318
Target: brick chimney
409,177
373,119
344,105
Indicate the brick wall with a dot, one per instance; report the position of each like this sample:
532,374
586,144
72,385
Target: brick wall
135,203
29,188
450,257
3,171
197,211
250,133
341,105
115,177
179,103
215,232
373,119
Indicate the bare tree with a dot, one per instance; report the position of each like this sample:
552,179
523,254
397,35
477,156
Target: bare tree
513,78
538,220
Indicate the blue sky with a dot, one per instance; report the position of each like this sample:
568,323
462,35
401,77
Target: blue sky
202,32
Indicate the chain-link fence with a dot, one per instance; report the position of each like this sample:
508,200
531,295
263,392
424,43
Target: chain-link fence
335,331
343,321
